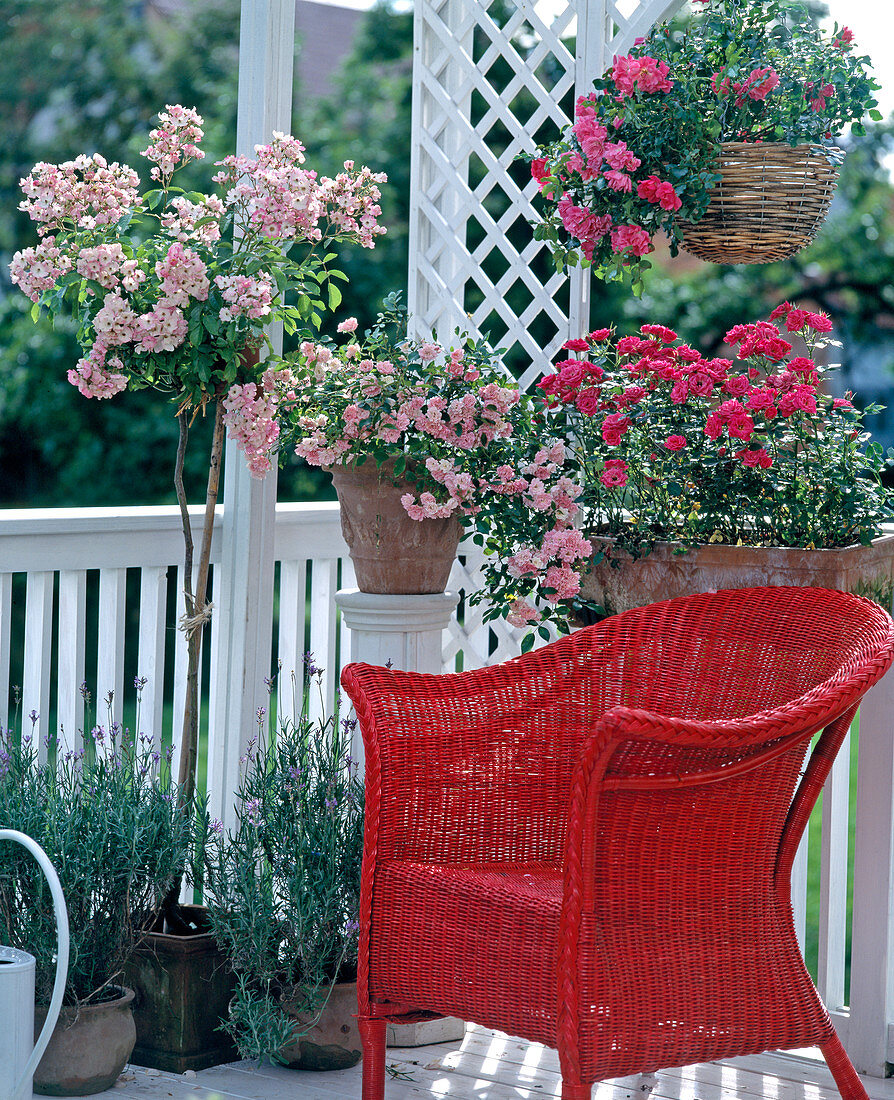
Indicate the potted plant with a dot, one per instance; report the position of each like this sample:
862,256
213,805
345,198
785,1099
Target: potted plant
283,893
715,473
172,290
432,438
716,134
108,819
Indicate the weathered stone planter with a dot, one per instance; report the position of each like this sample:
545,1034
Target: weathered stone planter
664,575
392,554
334,1040
183,986
89,1048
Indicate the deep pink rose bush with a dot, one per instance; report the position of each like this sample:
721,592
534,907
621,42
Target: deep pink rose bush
639,155
467,442
747,447
170,287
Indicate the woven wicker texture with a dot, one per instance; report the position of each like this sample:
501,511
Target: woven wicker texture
769,204
590,846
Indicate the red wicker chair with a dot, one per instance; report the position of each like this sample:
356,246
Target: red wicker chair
590,846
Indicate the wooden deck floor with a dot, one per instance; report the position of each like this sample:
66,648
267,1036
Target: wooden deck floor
486,1065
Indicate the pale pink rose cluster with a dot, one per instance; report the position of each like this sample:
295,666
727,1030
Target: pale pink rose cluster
174,141
552,563
101,264
522,613
96,378
183,275
352,200
250,414
35,270
183,221
246,295
164,328
275,196
88,191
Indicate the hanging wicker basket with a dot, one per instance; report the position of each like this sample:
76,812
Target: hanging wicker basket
770,202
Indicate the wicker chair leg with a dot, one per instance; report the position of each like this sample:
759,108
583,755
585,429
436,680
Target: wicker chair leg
372,1038
849,1084
572,1091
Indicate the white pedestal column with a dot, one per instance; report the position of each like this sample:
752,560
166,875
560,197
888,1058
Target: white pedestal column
404,632
400,631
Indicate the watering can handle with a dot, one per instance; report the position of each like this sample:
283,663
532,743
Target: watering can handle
61,952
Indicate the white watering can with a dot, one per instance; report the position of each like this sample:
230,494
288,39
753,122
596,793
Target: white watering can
19,1054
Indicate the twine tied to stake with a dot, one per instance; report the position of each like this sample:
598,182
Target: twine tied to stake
189,624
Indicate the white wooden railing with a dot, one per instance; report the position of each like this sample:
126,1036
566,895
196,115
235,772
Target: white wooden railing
93,594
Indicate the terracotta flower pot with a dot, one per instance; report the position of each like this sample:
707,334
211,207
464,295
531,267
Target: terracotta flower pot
333,1042
391,553
664,575
89,1048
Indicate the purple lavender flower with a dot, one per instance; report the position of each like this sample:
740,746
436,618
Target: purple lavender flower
310,669
253,811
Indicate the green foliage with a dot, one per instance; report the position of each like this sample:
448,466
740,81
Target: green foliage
283,888
108,820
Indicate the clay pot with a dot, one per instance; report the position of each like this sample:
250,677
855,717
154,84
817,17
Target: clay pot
391,553
89,1048
664,575
333,1042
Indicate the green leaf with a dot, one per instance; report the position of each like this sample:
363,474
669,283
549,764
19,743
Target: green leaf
35,311
334,297
527,643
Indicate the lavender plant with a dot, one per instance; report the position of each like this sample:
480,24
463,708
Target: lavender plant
283,887
107,818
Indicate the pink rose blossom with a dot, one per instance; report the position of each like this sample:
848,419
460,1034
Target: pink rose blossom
631,238
521,613
93,375
614,475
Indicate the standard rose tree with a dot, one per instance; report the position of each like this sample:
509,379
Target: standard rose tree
172,290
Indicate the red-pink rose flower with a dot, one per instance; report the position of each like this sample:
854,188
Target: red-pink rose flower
631,238
615,473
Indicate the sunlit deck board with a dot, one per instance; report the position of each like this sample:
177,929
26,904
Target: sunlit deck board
489,1066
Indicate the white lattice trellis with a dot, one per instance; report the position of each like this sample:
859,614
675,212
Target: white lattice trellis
492,79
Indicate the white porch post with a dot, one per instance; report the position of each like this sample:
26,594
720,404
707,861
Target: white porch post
243,581
405,632
872,959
